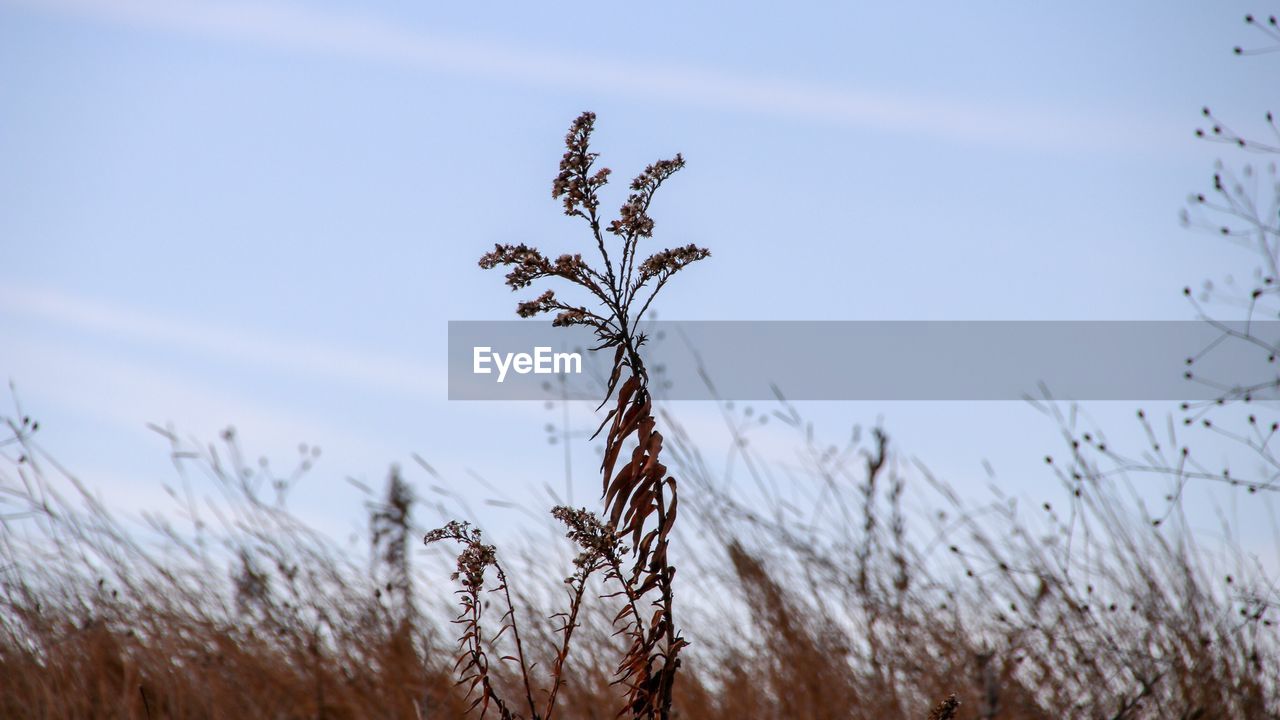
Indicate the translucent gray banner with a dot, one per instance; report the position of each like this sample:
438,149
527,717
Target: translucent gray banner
873,360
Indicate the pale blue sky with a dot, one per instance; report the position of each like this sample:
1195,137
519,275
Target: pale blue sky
263,214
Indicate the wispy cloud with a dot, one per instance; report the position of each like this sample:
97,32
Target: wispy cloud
128,396
68,374
369,38
364,369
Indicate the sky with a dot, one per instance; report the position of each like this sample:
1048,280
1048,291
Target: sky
264,214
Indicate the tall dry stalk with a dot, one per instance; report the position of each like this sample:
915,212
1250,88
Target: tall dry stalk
640,498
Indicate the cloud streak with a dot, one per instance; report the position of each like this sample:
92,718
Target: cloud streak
367,370
367,38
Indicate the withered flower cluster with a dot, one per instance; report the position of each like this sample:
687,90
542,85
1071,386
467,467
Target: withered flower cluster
598,540
575,183
475,558
616,288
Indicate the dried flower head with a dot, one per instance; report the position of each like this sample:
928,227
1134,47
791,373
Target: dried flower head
598,540
576,184
475,558
616,287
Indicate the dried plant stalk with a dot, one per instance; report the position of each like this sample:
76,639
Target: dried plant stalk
640,497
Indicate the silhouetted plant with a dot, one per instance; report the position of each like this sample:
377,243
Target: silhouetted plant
1242,206
389,526
640,498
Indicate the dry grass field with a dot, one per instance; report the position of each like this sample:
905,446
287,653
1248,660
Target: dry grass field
869,589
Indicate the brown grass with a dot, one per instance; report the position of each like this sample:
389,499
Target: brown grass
263,617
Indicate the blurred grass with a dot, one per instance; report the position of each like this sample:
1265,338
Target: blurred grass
859,604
